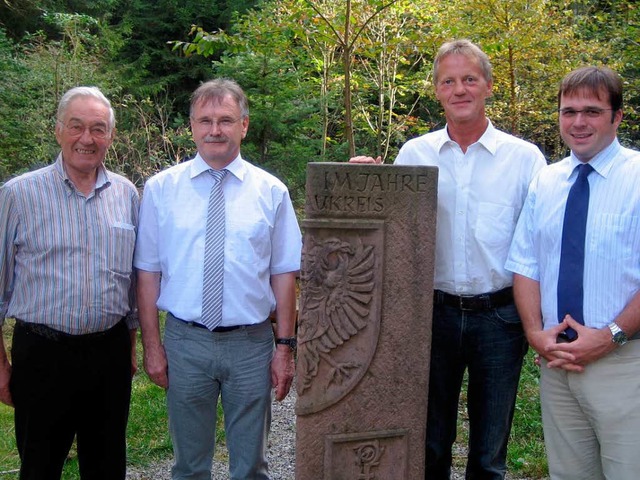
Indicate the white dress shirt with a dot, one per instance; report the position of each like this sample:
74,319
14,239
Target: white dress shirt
612,244
480,195
262,238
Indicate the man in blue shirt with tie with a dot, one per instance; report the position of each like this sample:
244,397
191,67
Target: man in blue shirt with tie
219,248
582,320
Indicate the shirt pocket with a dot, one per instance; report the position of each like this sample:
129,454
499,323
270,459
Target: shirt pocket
615,237
120,247
495,225
248,240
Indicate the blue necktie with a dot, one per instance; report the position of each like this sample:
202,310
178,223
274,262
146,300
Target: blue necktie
571,274
213,274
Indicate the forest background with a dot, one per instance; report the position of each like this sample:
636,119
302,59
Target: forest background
325,78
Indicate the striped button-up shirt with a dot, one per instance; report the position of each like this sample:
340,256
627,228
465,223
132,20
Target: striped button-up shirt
612,243
66,258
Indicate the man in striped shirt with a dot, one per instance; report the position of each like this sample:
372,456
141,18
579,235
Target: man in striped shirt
590,380
67,234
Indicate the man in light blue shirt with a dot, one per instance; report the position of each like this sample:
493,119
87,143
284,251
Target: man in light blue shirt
589,386
234,359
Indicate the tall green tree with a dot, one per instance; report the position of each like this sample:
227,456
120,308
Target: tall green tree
345,26
390,74
145,57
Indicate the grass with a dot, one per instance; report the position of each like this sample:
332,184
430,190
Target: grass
526,454
148,438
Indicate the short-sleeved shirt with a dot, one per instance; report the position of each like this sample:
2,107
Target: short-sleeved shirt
262,238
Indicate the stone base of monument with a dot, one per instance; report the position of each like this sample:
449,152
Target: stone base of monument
364,330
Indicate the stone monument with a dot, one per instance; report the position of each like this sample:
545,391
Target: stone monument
364,332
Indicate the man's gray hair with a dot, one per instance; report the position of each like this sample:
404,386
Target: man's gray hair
85,92
216,90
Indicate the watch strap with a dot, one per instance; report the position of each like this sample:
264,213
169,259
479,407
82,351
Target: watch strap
291,342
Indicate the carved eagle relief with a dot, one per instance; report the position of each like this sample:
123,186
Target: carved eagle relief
338,284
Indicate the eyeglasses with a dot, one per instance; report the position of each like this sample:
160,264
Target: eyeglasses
74,129
589,112
223,123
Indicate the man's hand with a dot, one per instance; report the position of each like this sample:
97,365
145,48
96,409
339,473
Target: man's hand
544,343
5,376
155,364
282,371
365,159
591,345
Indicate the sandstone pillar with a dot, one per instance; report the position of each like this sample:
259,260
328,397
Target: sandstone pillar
365,322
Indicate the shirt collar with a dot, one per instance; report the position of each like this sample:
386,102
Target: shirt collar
602,162
236,167
102,180
489,139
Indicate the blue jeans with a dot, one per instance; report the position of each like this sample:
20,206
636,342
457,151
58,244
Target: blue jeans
234,366
491,345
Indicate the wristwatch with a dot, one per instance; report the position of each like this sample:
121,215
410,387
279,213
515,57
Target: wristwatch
291,341
618,336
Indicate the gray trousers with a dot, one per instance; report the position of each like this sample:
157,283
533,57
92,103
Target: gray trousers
234,366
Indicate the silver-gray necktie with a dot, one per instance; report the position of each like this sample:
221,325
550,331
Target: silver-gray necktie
213,274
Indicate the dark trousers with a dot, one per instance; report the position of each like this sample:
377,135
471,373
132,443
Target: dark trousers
66,386
491,345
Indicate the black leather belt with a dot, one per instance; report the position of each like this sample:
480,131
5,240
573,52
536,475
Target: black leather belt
58,336
216,330
475,303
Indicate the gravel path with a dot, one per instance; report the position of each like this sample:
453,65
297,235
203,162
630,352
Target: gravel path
281,453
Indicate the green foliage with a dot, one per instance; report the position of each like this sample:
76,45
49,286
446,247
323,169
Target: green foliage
39,71
149,137
391,68
24,17
149,65
290,56
390,52
27,115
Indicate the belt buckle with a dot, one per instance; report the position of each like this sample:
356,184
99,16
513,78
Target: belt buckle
461,300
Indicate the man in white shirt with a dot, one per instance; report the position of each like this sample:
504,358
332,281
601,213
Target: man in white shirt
482,182
231,357
589,385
